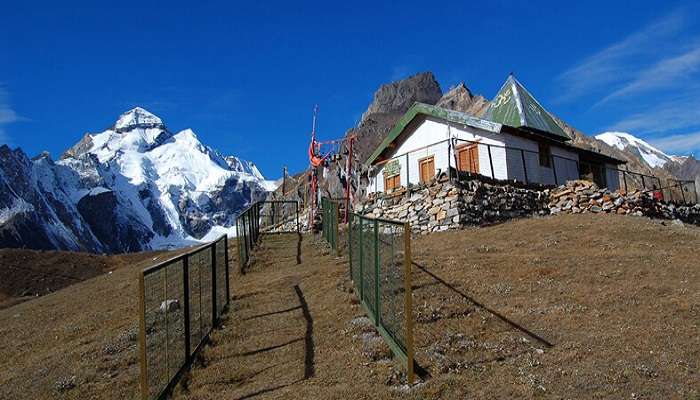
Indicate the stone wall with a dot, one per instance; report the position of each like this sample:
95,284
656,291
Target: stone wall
443,204
585,197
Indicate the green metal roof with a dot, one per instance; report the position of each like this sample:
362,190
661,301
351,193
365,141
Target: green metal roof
432,111
515,106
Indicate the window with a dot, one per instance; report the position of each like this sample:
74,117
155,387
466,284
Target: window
545,155
426,166
468,158
392,182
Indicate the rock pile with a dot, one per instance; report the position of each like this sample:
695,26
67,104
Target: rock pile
585,197
442,204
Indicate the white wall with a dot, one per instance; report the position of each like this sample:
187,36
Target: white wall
507,163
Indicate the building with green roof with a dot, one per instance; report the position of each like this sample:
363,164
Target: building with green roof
517,139
515,106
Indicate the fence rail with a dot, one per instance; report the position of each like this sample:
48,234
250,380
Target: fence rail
525,166
180,302
330,211
380,268
276,216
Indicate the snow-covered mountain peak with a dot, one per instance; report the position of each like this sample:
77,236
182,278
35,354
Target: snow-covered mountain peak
137,117
654,157
132,187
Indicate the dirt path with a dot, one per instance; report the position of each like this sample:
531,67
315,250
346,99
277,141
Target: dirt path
286,335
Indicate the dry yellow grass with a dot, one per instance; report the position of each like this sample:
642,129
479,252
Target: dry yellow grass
564,307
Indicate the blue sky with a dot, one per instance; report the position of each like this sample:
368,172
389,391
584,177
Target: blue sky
245,75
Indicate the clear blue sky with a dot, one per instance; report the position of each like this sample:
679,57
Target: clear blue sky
245,75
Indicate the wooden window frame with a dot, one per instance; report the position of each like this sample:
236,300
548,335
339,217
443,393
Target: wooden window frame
422,161
467,147
386,179
545,157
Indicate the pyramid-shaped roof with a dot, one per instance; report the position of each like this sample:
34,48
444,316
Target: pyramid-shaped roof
515,106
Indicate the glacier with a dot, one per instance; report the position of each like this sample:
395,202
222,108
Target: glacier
135,186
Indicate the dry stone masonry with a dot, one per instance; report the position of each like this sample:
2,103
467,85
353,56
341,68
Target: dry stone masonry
585,197
442,204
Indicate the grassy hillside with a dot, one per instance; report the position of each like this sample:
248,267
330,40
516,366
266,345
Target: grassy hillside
26,274
78,342
578,306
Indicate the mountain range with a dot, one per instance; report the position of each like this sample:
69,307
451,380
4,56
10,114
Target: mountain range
138,186
135,186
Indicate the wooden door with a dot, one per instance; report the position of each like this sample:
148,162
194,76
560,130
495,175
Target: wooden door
427,168
468,158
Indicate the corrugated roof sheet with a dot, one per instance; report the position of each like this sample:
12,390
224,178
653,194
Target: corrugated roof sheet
515,106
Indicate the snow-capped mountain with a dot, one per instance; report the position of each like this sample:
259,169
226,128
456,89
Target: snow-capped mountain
135,186
652,156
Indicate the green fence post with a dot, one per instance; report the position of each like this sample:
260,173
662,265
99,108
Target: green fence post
228,288
408,305
377,283
362,276
336,232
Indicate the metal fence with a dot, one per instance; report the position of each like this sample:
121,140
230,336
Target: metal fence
380,268
279,216
681,192
506,163
264,216
247,232
180,302
330,211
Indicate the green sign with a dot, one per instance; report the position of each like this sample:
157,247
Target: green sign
392,168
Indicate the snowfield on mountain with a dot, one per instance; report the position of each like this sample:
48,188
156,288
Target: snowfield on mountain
135,186
652,156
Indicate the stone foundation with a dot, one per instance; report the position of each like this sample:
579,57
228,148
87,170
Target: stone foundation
443,204
585,197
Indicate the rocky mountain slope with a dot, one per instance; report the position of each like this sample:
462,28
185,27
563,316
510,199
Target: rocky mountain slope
392,100
135,186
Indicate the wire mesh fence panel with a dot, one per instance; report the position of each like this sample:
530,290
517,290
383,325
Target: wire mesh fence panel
355,249
277,216
221,277
380,269
392,276
172,309
164,319
156,337
201,261
369,270
195,284
280,216
177,303
330,214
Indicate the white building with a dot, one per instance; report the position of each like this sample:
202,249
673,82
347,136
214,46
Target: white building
516,140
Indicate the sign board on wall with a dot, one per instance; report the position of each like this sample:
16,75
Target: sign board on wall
392,168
